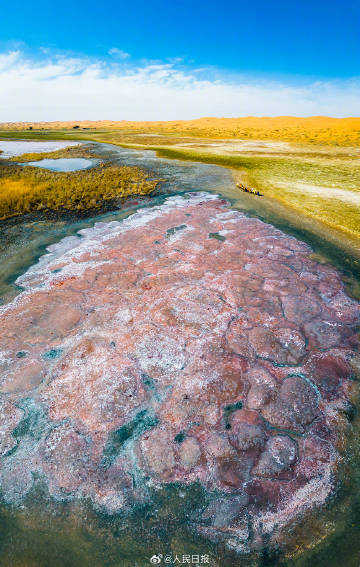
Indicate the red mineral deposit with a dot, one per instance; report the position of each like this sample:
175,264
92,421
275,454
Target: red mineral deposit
187,343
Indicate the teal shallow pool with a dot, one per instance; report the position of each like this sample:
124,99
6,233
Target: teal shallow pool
62,164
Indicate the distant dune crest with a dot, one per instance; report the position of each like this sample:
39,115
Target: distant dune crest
313,129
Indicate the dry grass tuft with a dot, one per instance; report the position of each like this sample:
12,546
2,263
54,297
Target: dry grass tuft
69,152
27,190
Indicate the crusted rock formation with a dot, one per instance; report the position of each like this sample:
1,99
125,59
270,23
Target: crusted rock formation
186,343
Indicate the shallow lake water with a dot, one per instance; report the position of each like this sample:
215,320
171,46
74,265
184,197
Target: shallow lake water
61,164
72,535
18,147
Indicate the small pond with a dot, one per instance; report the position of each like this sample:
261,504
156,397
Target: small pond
13,148
62,164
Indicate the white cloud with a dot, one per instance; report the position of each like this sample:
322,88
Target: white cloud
118,53
60,87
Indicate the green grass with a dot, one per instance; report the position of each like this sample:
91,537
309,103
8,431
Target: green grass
39,135
276,178
69,152
275,175
28,189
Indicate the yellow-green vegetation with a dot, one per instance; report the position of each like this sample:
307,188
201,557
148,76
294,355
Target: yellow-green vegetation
69,152
325,187
29,189
310,165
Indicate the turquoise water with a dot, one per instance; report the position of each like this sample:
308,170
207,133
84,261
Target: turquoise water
61,164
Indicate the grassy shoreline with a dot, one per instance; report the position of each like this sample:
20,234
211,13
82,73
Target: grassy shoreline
30,190
304,179
77,151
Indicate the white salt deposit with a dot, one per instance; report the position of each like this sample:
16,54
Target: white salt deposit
91,239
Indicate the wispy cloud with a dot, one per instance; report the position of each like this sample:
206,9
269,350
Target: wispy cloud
119,53
64,87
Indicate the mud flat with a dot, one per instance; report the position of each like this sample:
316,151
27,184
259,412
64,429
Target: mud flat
187,345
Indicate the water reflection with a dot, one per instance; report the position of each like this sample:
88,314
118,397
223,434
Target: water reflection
18,147
61,164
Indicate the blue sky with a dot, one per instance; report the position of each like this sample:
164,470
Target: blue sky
315,38
295,48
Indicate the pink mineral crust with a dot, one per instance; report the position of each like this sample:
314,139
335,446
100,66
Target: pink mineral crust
187,343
